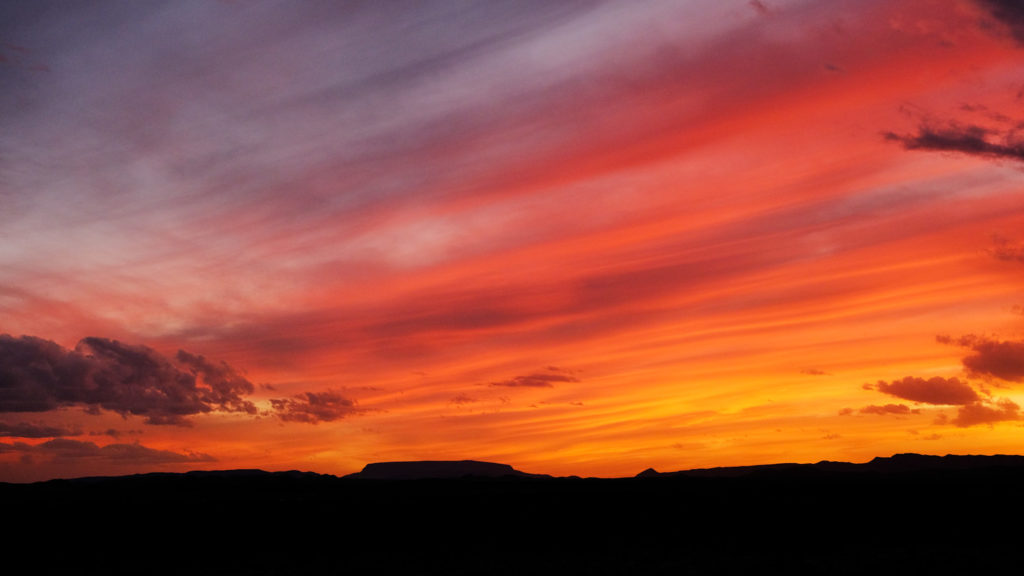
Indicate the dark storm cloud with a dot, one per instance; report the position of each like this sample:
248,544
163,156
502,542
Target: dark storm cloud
314,407
898,409
226,384
1010,13
1001,359
38,375
65,449
35,374
984,413
970,139
935,390
29,430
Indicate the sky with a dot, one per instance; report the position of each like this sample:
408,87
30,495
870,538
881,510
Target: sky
580,238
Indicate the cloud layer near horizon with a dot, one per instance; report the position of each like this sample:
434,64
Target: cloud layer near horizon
61,449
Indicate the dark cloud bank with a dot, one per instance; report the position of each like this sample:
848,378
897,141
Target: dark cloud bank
1010,13
38,375
100,374
30,430
315,407
63,449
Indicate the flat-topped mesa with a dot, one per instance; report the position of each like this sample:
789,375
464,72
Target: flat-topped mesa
436,469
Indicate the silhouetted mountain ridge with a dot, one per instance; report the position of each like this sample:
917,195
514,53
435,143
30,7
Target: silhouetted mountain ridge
903,514
895,464
906,463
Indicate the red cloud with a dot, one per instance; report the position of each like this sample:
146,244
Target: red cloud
978,413
314,407
932,391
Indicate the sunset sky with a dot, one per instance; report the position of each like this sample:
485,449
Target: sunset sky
576,237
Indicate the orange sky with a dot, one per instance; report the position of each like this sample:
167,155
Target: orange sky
585,238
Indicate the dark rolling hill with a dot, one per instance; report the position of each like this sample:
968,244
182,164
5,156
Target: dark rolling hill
896,464
907,514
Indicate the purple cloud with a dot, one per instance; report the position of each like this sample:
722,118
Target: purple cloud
38,375
30,430
314,407
971,140
66,449
1010,13
538,380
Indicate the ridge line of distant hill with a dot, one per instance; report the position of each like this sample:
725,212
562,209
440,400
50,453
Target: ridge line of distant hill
897,463
467,469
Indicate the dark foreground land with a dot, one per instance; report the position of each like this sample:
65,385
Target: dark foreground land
938,515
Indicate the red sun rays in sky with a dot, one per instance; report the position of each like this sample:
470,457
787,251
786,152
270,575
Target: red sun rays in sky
576,237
